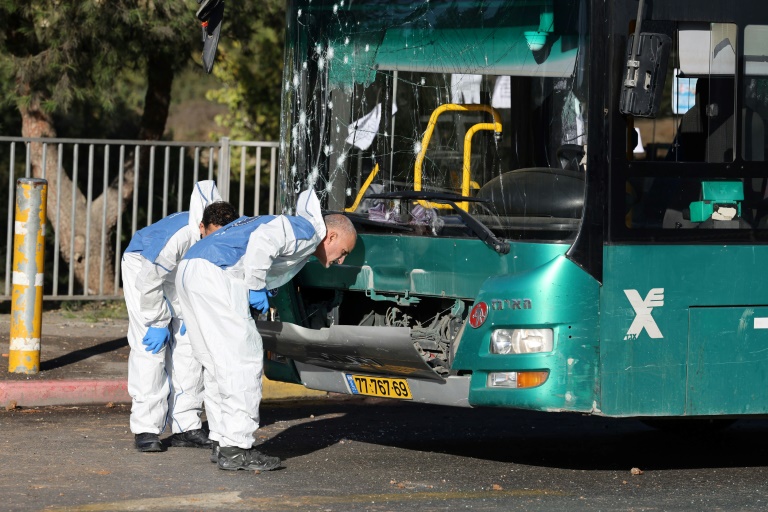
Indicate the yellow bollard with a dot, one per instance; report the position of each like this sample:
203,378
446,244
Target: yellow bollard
27,292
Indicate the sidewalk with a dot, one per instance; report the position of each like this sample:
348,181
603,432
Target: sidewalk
84,360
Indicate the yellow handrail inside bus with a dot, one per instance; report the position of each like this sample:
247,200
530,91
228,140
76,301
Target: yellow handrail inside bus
466,179
365,186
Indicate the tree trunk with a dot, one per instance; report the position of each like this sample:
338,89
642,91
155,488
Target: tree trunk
157,101
72,230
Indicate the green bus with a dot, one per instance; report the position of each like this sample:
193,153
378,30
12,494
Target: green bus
561,204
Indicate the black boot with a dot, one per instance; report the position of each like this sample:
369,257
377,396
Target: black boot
214,451
191,439
233,458
147,442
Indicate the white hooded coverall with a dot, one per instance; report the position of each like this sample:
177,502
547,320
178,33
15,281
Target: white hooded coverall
149,270
251,253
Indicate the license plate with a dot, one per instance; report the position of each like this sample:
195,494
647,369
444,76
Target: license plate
379,386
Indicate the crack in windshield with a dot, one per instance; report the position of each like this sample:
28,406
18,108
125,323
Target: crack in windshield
474,99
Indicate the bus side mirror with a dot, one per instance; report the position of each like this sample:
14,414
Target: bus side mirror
211,14
646,71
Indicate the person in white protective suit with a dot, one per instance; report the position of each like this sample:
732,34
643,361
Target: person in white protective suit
149,270
219,280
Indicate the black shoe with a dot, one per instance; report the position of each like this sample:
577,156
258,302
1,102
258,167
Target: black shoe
214,451
232,458
191,439
147,442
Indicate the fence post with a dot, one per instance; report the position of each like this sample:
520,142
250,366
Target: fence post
27,292
222,179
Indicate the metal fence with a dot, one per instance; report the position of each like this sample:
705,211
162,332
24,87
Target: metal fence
163,174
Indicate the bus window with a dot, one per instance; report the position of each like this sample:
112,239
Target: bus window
755,94
695,121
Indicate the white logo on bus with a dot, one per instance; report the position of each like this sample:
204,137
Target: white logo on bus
643,309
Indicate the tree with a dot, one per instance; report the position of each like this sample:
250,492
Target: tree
250,66
60,56
57,53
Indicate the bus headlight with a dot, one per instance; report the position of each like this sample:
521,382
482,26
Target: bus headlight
521,341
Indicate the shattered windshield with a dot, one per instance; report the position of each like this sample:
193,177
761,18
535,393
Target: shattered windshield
482,100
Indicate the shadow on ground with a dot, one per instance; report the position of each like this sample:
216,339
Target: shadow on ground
82,354
558,440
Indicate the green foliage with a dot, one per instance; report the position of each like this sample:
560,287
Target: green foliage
86,62
191,83
250,66
66,53
46,46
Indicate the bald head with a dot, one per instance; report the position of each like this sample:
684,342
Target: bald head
340,239
341,224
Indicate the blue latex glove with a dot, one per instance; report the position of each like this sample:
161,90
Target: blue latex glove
259,300
156,338
183,329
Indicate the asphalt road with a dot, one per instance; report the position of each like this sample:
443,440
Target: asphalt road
369,454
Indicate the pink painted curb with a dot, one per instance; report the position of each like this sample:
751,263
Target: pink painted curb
63,392
85,391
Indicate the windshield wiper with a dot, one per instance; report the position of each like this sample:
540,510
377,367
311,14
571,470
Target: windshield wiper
477,227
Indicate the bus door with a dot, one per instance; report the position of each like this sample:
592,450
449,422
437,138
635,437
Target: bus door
684,306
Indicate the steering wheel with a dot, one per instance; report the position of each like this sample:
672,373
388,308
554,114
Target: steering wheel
570,156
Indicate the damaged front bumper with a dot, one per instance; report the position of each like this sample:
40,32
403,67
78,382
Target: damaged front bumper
325,357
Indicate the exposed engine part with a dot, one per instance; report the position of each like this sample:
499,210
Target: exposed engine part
434,323
432,340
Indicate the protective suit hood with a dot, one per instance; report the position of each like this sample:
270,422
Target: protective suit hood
203,194
308,207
